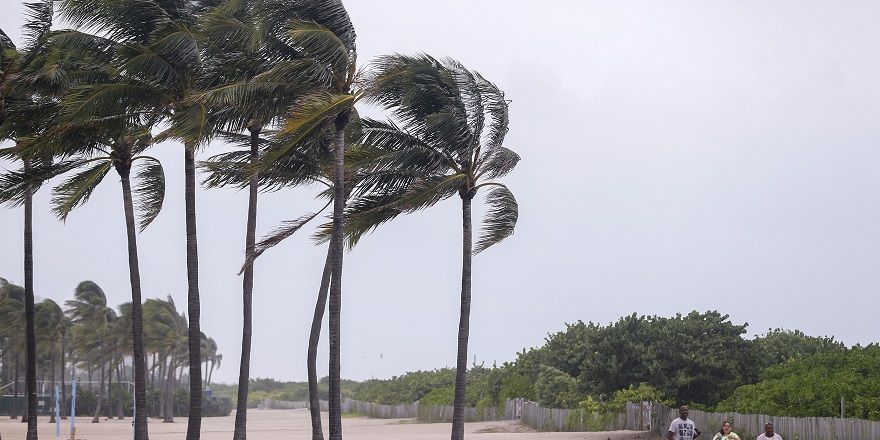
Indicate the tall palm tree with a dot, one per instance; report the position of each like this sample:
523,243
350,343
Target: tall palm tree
324,33
115,144
446,136
37,27
313,162
258,78
158,51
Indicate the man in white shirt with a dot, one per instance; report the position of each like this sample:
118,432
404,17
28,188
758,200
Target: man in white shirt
769,433
683,428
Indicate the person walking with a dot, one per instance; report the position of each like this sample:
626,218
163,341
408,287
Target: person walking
769,433
725,433
683,428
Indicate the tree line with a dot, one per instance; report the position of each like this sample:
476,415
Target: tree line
700,359
97,83
89,339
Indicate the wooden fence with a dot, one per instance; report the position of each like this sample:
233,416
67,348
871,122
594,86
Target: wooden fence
424,413
749,426
564,420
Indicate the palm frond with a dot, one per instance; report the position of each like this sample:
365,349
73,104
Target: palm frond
320,43
471,97
496,109
276,236
500,162
110,99
38,23
500,219
310,114
77,189
14,184
366,213
191,124
330,14
150,191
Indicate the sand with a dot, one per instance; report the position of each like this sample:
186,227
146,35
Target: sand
295,425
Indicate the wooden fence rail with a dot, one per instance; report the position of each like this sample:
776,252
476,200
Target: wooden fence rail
749,426
637,417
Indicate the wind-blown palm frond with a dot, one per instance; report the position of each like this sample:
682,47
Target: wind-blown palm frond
322,44
500,219
192,124
284,231
310,113
496,109
38,24
501,162
14,184
328,13
77,189
100,100
150,191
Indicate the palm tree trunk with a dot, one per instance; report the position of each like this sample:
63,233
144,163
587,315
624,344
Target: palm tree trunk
97,418
63,380
194,426
120,413
169,390
137,314
464,320
153,371
335,294
110,408
14,414
314,338
30,334
52,387
247,292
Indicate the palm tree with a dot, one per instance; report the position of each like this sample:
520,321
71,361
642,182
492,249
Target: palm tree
312,163
324,33
168,331
257,80
446,135
49,319
157,47
11,329
36,30
92,320
118,145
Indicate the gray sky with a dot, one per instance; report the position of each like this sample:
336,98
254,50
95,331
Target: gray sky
677,155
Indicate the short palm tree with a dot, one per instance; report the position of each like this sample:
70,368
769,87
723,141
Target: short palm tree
49,320
446,138
12,323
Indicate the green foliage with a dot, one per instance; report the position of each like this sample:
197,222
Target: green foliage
439,396
812,386
779,346
555,389
699,357
407,388
641,393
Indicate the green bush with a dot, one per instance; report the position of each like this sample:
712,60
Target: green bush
556,389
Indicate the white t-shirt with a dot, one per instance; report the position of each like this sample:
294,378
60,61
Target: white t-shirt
776,436
683,429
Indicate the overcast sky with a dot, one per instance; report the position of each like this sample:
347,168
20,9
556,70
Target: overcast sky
675,156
